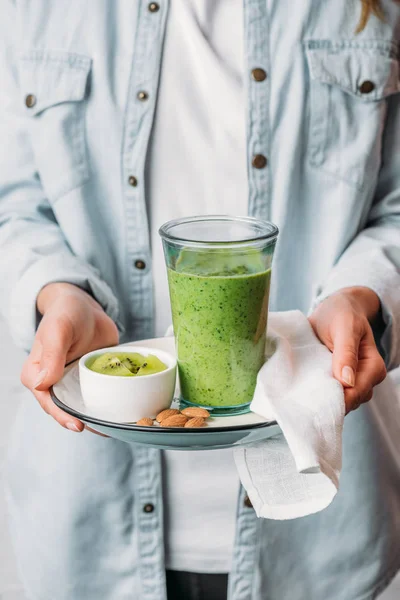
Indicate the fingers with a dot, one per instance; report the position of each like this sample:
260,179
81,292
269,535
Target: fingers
371,372
341,323
356,362
55,339
45,366
346,340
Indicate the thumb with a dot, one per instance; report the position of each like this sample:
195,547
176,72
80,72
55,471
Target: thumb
56,340
346,343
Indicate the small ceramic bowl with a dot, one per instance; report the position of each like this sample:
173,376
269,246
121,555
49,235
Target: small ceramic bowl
127,399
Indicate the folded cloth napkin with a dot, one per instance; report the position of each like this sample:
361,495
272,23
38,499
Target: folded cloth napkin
297,473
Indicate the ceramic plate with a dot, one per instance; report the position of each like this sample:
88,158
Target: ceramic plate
219,432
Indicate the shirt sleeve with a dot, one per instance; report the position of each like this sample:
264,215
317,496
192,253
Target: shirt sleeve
33,249
373,258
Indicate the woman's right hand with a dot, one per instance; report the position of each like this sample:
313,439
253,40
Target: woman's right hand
73,323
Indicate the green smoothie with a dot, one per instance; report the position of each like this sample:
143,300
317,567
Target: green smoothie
220,318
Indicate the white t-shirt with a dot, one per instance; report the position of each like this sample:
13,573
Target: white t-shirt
198,166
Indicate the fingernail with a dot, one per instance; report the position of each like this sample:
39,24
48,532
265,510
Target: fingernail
348,376
72,427
40,378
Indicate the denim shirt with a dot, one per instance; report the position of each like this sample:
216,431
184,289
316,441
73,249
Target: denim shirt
323,162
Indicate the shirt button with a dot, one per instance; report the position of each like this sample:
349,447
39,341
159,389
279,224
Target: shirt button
148,508
154,7
140,264
259,161
142,95
132,181
259,74
30,100
367,87
247,502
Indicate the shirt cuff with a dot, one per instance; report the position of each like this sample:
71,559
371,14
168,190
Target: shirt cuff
385,282
23,316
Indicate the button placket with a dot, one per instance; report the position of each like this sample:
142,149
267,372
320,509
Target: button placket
248,526
142,89
257,121
256,38
138,123
150,523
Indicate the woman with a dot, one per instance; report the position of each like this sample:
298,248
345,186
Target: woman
118,116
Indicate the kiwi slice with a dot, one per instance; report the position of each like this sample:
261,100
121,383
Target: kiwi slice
109,364
152,364
131,360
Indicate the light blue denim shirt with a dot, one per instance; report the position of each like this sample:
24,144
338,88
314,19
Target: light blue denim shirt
74,136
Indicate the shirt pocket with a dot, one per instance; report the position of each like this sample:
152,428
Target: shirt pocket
54,89
349,84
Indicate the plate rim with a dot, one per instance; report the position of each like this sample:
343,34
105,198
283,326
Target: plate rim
146,429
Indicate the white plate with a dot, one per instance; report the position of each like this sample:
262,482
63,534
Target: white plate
219,432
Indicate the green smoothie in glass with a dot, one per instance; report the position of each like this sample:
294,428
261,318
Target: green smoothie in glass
219,296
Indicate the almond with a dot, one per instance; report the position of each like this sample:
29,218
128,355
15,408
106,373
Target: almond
164,414
146,421
174,421
195,411
195,422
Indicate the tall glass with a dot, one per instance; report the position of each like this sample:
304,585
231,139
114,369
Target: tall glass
219,271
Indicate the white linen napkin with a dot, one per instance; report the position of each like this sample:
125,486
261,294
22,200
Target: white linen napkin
297,473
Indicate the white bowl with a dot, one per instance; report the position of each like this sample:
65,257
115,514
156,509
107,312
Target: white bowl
127,399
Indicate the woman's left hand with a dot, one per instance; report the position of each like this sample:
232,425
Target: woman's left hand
342,323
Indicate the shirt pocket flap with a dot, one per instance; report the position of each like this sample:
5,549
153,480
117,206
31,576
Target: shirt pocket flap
367,70
48,78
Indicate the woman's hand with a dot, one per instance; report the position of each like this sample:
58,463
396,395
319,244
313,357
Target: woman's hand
73,323
342,323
